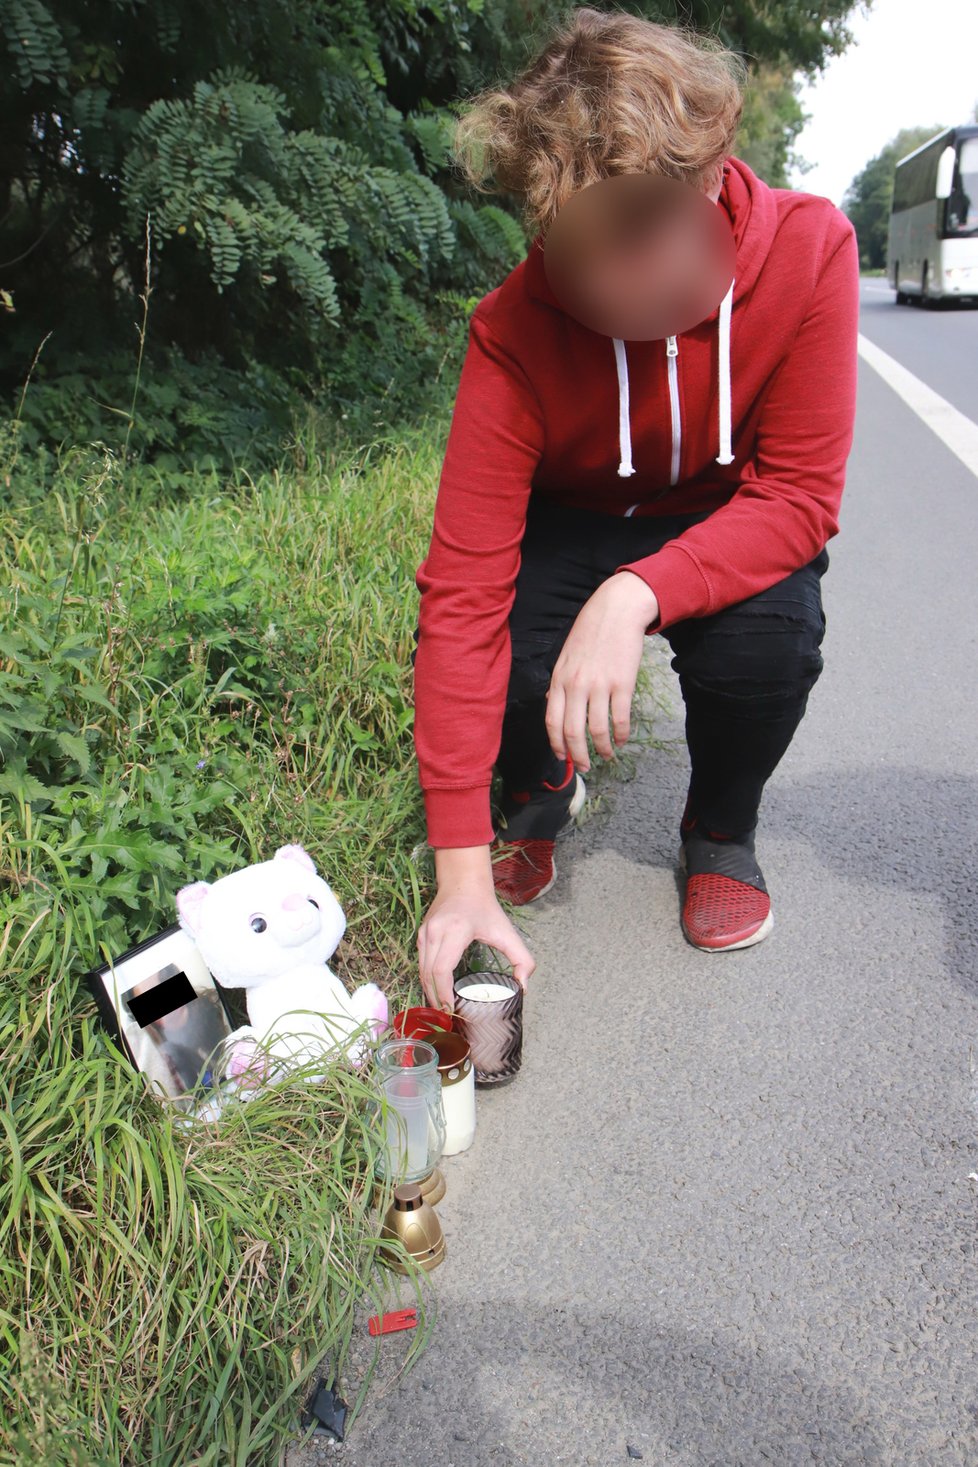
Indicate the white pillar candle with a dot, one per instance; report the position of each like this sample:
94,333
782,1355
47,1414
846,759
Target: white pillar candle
457,1074
458,1098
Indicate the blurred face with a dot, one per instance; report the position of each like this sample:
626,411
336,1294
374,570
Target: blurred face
640,257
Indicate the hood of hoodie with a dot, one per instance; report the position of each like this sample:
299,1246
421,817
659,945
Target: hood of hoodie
752,209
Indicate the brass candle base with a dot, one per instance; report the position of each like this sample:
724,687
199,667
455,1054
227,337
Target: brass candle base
414,1223
432,1188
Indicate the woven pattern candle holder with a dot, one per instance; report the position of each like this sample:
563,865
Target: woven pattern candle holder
489,1010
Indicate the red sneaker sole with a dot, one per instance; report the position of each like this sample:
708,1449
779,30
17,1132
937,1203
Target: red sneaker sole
729,947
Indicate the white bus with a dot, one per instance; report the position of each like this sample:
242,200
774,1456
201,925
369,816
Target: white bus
932,250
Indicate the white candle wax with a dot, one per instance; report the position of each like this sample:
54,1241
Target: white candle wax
458,1100
486,992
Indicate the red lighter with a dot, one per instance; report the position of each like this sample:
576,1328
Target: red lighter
387,1324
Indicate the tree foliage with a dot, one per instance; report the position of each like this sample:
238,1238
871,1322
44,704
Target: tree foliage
773,118
868,198
804,34
292,159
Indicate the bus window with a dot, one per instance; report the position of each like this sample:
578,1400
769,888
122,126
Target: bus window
962,206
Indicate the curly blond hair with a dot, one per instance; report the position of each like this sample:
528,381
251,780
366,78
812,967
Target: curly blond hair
608,93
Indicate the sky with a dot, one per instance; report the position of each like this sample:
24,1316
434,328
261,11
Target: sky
911,63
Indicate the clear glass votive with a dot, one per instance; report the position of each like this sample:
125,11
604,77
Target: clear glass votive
489,1009
407,1074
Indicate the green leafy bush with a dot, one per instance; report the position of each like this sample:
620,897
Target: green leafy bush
304,247
188,416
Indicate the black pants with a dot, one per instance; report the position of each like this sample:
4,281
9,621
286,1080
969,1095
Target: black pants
745,672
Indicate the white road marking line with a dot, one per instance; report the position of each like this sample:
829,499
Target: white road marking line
955,431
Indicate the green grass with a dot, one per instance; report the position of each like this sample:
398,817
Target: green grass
192,674
187,680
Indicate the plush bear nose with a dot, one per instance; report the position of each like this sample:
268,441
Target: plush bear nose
296,912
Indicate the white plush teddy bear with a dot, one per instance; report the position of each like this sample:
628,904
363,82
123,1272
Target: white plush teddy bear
271,929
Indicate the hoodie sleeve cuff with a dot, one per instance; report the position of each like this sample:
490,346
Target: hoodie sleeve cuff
678,583
458,817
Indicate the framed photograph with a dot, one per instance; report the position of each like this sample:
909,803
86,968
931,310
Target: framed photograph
162,1005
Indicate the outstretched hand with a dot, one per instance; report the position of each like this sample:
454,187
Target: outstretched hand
465,911
597,669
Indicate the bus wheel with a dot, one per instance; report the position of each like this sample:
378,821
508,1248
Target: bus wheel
902,299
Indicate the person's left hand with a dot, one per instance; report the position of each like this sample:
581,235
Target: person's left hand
598,667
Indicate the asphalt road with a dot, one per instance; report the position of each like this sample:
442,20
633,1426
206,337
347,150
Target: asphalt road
726,1213
940,345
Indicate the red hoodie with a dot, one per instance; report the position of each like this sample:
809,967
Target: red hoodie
749,415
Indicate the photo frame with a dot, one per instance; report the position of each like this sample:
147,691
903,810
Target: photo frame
161,1003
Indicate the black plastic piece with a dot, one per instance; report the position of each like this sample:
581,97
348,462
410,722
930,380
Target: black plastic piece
328,1410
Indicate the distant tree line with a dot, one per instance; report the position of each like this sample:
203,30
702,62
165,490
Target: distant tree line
277,173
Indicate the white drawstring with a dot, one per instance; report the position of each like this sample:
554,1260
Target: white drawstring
624,430
726,454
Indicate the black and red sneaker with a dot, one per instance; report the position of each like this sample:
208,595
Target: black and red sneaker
523,866
726,905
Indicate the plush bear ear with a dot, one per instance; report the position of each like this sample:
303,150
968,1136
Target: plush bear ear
295,853
190,899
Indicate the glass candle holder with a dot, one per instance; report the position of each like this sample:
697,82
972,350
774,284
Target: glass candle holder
407,1076
489,1009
